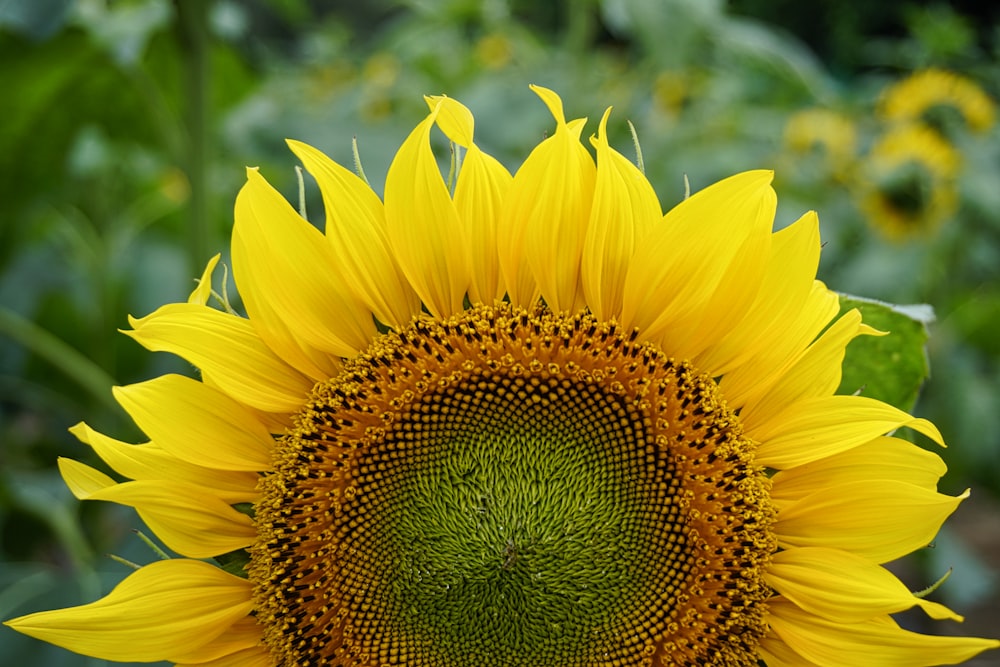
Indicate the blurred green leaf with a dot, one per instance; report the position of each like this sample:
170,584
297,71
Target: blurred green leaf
38,20
889,368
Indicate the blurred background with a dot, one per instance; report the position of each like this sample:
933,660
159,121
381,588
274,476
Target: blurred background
126,126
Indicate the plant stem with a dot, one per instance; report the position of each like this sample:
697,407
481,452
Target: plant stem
192,23
85,372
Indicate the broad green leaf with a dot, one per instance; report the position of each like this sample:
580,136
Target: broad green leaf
890,368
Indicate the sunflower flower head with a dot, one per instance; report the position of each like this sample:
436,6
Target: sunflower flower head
939,99
822,139
909,185
529,420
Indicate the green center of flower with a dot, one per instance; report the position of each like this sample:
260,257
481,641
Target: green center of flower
513,488
516,524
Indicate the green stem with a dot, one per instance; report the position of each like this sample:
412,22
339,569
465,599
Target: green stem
192,22
85,372
580,24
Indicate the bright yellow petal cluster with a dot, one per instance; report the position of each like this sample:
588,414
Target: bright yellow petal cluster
912,98
709,282
831,132
908,187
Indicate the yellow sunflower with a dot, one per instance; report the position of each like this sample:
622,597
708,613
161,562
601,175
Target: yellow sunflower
530,421
819,144
930,95
908,186
825,130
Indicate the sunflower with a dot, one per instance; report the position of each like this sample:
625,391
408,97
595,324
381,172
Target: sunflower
935,97
820,143
822,130
527,421
908,188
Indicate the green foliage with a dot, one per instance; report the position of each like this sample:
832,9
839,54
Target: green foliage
891,368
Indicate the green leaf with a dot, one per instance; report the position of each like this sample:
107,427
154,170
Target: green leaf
890,368
235,562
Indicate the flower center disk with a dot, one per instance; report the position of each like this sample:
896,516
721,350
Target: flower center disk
512,487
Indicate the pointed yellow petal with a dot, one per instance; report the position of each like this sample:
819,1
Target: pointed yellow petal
453,118
880,522
818,427
699,270
188,520
624,210
817,372
157,608
425,233
544,217
285,271
197,423
881,459
776,653
754,376
876,643
258,656
82,480
479,194
356,232
228,350
241,640
840,586
203,291
151,462
784,293
480,190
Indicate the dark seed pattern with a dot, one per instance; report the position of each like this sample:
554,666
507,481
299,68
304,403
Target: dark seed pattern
513,488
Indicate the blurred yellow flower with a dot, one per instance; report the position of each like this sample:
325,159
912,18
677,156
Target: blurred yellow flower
924,95
908,184
530,421
671,91
826,132
494,51
379,74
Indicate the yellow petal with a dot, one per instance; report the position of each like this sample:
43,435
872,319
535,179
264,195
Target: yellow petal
425,233
754,376
776,653
356,232
453,118
624,210
289,278
816,372
876,643
157,608
257,656
784,292
881,459
151,462
544,217
814,428
482,185
228,350
880,522
197,423
241,640
203,291
188,520
840,586
479,194
700,269
82,480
